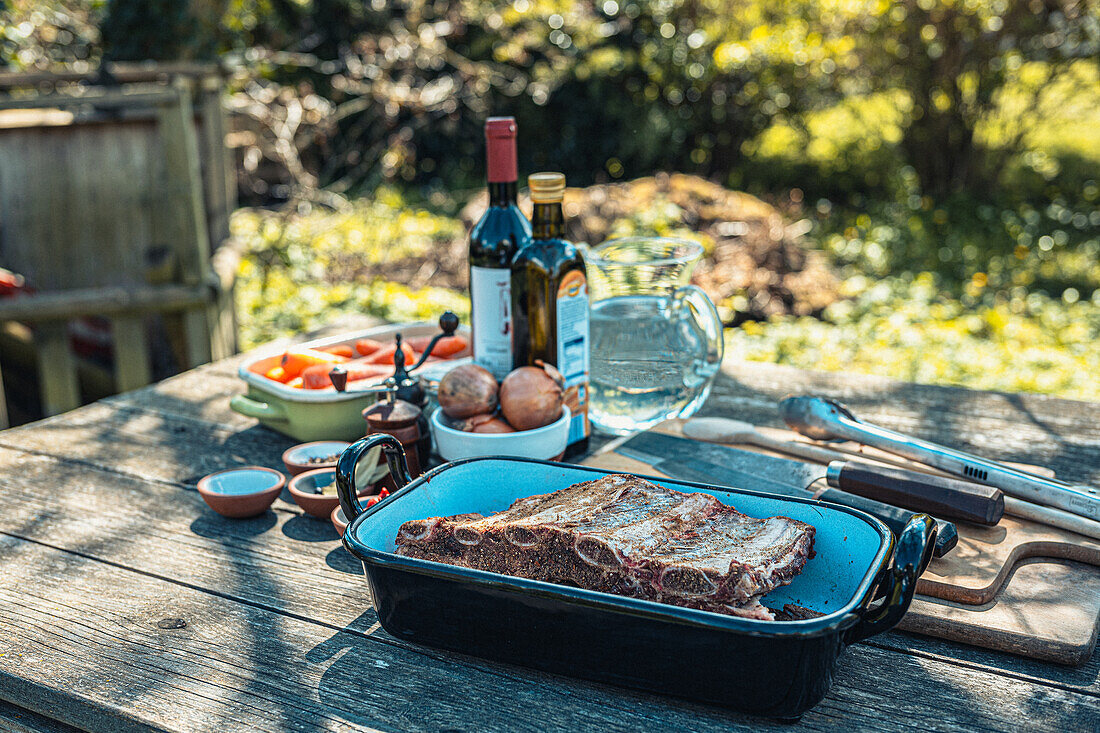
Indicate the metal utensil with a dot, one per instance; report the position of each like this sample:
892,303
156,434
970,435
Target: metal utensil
715,464
725,430
941,496
824,419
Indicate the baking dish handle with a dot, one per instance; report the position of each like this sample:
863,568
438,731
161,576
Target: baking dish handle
349,460
254,408
899,583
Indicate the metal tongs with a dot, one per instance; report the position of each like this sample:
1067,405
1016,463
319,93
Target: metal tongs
824,419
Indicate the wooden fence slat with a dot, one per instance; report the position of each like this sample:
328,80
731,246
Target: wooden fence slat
219,178
4,423
196,334
66,304
106,99
190,234
131,353
57,370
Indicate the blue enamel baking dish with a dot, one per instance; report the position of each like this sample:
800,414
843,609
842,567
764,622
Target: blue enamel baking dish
861,580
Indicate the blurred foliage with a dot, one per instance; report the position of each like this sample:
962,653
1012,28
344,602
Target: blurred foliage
294,278
944,151
300,271
602,89
142,30
907,328
50,34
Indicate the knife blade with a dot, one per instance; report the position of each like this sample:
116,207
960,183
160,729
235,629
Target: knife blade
939,496
687,459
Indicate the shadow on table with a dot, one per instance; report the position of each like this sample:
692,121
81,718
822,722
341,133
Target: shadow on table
305,528
216,527
342,561
950,415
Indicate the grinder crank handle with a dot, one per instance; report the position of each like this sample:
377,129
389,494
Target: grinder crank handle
947,536
939,496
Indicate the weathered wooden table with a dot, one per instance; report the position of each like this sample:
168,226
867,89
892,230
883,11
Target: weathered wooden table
126,604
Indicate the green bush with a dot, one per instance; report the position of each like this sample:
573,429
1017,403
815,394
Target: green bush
301,271
907,329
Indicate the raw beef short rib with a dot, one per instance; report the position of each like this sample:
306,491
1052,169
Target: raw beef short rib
625,535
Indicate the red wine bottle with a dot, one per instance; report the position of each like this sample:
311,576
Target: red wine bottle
493,243
550,303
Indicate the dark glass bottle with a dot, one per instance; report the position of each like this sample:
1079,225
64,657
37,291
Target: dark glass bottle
550,302
493,243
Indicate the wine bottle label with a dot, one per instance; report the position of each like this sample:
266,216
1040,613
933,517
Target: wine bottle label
491,318
572,311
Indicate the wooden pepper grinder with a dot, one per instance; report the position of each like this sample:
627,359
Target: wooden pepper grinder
400,419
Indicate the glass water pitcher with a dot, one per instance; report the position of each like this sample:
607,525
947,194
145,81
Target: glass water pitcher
656,340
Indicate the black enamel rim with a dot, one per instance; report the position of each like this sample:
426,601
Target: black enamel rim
838,620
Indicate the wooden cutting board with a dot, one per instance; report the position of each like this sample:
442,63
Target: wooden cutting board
965,596
1048,610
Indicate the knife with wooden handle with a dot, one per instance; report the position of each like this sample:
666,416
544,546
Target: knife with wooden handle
939,496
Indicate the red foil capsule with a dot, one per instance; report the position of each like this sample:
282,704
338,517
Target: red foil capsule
500,139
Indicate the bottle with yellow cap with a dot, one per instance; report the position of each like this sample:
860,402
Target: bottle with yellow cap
550,302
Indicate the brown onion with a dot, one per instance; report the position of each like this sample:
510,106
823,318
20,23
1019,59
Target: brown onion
487,424
530,398
468,390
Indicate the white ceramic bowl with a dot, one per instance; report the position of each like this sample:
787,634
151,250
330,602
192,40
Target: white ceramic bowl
546,442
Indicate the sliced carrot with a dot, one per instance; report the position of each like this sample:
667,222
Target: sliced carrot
296,360
341,350
448,345
366,347
317,376
276,373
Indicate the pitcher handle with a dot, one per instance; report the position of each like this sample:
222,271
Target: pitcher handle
706,315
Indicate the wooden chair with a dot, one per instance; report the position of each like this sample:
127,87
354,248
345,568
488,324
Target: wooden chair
110,199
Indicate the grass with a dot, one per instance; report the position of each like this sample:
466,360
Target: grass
971,292
907,329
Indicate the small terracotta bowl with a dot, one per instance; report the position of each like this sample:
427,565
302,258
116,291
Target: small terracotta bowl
319,505
241,492
297,459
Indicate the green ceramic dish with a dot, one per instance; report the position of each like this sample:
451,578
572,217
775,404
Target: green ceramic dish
305,414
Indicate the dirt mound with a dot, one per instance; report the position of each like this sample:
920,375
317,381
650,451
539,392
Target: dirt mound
754,265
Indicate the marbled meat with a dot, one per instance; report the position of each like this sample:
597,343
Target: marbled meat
625,535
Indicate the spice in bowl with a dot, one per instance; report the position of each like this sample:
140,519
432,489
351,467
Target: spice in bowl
310,456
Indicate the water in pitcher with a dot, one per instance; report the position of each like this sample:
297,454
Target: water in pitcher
649,362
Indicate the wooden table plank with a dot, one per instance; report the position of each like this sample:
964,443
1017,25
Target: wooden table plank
156,445
276,554
15,719
121,502
111,663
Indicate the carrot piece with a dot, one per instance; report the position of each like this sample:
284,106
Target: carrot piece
341,350
317,376
366,347
448,345
296,360
276,373
385,355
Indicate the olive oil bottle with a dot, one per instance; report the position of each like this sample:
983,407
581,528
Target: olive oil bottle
550,302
